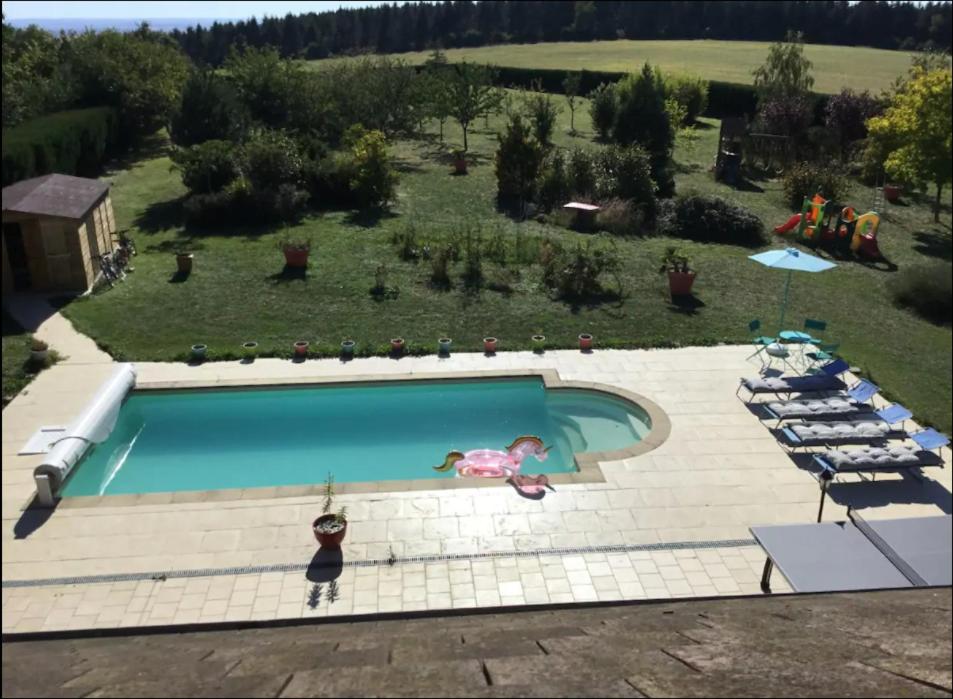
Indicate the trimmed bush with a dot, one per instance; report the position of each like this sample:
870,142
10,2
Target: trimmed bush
691,94
519,158
625,172
208,167
927,290
602,109
577,275
271,160
807,179
554,185
75,142
709,219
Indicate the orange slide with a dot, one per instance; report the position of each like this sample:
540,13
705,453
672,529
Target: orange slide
790,225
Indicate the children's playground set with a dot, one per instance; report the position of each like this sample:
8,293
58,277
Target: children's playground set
816,226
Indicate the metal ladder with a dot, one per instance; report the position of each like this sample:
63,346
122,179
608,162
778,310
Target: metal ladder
879,203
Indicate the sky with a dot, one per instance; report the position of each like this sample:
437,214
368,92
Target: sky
234,9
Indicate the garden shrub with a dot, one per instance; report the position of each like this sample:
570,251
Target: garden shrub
74,142
519,158
577,274
554,185
619,217
846,115
691,94
624,172
603,107
643,119
582,178
927,289
709,219
239,205
271,160
786,115
373,179
210,109
440,267
207,167
328,179
807,179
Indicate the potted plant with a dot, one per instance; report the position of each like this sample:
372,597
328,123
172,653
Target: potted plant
397,345
39,351
249,349
329,529
539,343
199,352
183,261
585,342
444,343
892,192
460,161
296,252
489,345
347,349
301,349
680,275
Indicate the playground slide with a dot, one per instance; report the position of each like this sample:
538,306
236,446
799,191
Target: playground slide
790,225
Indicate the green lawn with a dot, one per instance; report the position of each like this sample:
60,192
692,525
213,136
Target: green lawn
236,291
732,61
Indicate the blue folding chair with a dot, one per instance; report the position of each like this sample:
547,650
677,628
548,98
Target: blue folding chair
760,342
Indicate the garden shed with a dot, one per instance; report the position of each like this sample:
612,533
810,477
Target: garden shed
54,228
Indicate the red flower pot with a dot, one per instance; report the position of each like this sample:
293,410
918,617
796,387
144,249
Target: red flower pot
892,193
489,345
460,165
295,257
183,262
328,541
301,348
397,345
585,342
680,283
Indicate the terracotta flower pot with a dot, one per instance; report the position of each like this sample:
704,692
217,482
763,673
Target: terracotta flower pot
680,283
296,257
460,165
892,193
585,342
301,349
489,345
183,261
328,541
397,345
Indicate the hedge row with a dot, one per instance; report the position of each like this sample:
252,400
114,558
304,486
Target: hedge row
724,99
74,142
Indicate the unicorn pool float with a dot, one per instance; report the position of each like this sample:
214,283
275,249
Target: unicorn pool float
493,463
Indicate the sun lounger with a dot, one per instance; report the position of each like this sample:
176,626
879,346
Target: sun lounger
826,380
885,459
821,434
852,404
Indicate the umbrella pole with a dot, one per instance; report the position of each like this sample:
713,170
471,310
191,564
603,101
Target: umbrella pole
784,303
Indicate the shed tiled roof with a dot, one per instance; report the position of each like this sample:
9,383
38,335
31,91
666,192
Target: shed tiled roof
64,196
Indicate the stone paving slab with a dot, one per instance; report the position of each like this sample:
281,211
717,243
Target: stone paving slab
873,644
718,473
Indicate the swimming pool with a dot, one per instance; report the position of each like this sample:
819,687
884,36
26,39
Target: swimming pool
174,440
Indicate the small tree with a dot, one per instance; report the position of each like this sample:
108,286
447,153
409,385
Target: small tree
846,115
207,167
272,159
642,118
374,180
915,131
518,161
541,111
471,94
571,88
602,109
210,109
786,70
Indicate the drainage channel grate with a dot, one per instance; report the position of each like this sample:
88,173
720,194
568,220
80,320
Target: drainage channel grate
373,562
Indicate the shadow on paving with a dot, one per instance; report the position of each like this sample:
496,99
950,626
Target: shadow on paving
892,643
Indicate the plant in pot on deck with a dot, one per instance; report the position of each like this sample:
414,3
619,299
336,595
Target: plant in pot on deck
680,275
330,528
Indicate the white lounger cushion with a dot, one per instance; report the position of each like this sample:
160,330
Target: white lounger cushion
812,407
866,456
827,430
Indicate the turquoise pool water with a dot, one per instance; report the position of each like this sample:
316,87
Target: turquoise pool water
397,430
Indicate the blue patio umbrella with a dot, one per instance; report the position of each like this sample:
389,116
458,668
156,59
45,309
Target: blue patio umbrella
792,260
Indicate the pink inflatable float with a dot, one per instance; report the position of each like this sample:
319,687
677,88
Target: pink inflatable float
492,463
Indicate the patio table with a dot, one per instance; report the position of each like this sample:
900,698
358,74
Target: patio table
802,340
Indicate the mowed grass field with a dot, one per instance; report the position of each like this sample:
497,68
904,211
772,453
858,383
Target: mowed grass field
237,291
835,67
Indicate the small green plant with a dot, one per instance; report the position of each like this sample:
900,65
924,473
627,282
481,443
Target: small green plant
495,249
674,260
440,268
472,260
38,345
408,248
302,244
340,517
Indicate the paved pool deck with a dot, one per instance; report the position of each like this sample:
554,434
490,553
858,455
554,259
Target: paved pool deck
676,518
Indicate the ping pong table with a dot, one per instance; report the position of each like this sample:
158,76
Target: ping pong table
859,555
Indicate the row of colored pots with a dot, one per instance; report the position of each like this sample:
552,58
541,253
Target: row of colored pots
250,349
